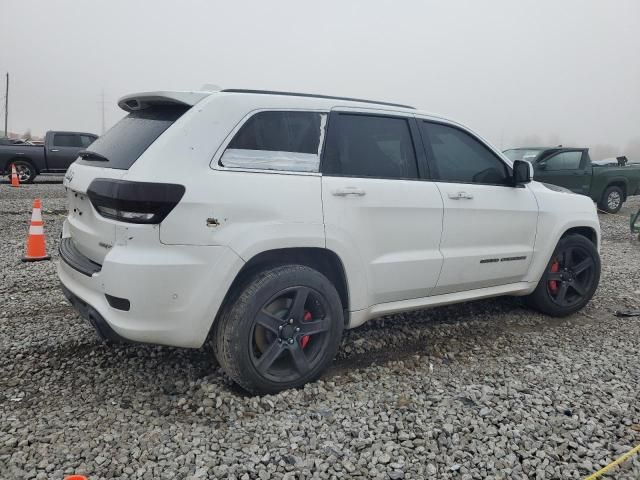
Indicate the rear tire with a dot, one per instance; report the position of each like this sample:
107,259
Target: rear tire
281,331
612,199
570,278
26,171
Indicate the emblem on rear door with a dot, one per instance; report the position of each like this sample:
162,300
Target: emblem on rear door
69,175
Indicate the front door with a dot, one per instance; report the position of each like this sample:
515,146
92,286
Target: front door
378,214
489,227
566,169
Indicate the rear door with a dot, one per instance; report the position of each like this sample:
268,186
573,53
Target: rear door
379,215
489,226
568,168
63,150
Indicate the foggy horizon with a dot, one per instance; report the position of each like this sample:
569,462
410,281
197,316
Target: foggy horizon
529,72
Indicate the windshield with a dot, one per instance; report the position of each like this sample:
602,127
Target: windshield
528,154
130,137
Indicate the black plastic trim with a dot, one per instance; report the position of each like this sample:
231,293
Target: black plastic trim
76,260
313,95
91,315
118,303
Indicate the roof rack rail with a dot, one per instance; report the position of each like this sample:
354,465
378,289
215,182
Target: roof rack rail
311,95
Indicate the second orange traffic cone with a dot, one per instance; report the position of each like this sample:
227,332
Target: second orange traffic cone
36,242
15,181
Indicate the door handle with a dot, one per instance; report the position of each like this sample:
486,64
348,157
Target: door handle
54,150
460,196
343,192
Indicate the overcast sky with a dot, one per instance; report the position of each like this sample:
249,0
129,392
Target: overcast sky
541,70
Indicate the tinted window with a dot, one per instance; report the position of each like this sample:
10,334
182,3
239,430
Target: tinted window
66,140
564,161
131,136
369,146
456,156
86,140
277,141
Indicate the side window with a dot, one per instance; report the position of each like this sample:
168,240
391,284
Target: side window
456,156
66,140
86,140
369,146
563,161
278,141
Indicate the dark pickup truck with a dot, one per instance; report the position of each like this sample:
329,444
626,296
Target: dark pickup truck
608,185
60,150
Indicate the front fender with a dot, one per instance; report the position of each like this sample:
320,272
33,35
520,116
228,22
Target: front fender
559,213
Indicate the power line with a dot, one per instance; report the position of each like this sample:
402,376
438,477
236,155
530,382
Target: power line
102,107
6,108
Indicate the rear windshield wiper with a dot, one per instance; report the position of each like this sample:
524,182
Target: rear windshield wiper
89,155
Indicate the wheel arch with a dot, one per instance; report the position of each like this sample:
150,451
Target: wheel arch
323,260
587,232
7,163
618,182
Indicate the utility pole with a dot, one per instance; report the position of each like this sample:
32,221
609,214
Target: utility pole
102,105
6,108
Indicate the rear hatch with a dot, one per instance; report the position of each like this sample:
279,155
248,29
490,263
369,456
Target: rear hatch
95,183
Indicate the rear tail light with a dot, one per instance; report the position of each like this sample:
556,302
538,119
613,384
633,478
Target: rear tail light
134,202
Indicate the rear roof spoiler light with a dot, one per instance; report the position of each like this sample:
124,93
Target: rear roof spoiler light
140,101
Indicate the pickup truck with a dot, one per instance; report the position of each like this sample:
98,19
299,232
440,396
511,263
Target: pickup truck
608,185
60,150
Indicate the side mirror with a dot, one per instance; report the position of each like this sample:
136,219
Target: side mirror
522,172
542,166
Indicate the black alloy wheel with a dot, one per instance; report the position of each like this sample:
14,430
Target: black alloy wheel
290,333
570,279
281,330
570,276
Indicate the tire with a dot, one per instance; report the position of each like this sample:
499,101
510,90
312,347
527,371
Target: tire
26,171
570,278
612,199
259,338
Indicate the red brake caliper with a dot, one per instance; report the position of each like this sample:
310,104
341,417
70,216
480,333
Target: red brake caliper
553,284
307,318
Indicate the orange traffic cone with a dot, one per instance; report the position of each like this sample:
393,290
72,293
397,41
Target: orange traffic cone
36,242
75,477
15,181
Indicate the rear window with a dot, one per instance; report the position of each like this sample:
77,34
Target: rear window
67,140
123,144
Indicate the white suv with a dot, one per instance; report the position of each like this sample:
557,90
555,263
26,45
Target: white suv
268,222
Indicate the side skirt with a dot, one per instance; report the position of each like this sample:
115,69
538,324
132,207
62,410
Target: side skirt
358,317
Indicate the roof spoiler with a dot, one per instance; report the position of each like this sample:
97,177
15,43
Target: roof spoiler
140,101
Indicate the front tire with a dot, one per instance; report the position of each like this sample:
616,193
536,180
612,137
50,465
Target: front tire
612,199
570,279
282,331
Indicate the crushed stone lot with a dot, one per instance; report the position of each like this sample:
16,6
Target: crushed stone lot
482,390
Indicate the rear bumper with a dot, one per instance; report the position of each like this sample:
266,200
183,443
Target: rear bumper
174,291
91,315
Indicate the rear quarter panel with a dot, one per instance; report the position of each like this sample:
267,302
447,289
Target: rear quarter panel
629,176
32,153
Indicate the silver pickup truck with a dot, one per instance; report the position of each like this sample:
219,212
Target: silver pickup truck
60,150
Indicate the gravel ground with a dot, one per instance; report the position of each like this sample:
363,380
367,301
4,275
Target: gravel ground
483,390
